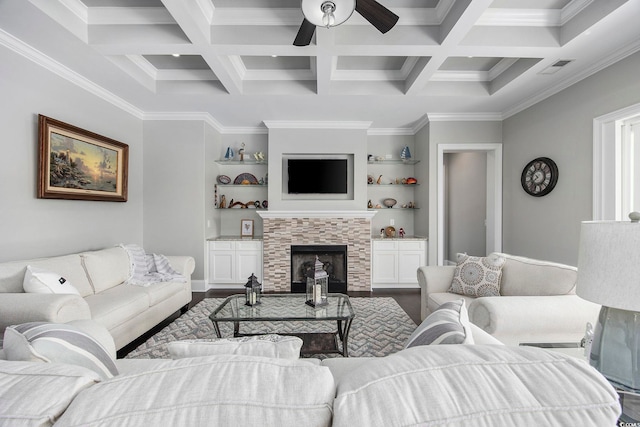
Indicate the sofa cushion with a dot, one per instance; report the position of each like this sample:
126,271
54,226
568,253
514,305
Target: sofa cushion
477,276
162,291
117,305
216,391
59,343
277,346
36,394
40,281
448,324
467,385
531,277
68,266
106,268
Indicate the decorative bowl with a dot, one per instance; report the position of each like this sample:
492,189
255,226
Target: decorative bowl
223,179
412,180
389,202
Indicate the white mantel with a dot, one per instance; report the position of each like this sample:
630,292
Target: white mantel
316,214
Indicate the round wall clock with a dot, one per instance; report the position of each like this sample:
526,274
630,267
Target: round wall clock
539,177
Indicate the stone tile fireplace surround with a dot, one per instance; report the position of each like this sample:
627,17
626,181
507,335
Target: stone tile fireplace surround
283,229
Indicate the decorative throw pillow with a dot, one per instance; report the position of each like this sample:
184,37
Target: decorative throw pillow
40,281
60,343
276,346
448,324
477,276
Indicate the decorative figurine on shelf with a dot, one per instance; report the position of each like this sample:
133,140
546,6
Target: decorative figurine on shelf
223,202
317,285
382,232
379,180
252,291
401,232
369,204
241,152
259,156
229,154
405,154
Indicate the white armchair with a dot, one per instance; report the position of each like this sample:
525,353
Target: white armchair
537,302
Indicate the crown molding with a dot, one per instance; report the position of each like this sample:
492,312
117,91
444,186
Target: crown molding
618,55
291,124
205,117
391,131
34,55
464,117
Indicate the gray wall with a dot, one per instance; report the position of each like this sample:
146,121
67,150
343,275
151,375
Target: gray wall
465,204
174,190
560,127
32,227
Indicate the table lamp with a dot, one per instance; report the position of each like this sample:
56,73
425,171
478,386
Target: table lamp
609,274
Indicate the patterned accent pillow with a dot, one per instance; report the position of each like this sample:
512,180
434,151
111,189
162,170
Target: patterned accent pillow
477,276
272,345
59,343
448,324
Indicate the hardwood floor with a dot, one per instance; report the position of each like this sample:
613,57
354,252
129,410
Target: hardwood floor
408,299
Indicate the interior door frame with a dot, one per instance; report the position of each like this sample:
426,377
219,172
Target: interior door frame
494,193
606,162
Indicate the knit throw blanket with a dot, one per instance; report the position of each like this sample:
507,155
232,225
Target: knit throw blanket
146,269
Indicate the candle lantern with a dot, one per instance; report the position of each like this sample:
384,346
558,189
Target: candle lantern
252,291
317,284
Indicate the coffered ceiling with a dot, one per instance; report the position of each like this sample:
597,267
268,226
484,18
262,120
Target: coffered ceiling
234,60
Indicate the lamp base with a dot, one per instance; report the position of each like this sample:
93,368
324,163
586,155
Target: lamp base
615,352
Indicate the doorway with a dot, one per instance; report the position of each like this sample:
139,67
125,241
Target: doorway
616,167
493,191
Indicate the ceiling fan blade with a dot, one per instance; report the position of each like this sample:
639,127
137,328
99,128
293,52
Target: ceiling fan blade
305,34
378,15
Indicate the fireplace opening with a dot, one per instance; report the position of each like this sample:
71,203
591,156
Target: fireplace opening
334,260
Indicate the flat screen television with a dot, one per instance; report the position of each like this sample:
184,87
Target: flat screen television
317,176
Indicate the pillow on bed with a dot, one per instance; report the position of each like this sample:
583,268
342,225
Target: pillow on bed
448,324
60,343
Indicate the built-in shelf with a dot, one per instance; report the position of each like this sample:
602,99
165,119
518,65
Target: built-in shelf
394,185
391,209
393,162
242,185
241,162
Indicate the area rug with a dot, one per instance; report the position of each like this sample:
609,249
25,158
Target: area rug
381,327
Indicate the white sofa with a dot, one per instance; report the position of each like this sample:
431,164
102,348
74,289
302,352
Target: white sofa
126,311
537,304
438,385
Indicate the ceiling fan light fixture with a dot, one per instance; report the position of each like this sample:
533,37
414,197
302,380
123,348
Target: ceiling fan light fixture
327,13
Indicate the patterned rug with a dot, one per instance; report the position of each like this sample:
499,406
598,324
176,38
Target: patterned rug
381,327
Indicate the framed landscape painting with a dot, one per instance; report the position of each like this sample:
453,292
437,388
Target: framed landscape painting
80,165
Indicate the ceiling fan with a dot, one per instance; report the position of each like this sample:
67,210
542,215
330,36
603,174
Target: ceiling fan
329,13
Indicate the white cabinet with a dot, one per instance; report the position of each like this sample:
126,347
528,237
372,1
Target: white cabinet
395,262
231,262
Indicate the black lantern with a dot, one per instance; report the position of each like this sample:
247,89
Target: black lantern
252,291
317,284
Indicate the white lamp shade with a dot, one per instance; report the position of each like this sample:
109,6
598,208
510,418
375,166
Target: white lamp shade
609,264
312,11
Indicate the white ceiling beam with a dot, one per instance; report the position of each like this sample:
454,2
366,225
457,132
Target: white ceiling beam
193,21
460,19
129,16
325,60
71,14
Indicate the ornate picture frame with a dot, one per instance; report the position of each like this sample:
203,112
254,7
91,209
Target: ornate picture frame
77,164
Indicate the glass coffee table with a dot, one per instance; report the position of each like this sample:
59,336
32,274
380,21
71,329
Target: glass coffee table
290,308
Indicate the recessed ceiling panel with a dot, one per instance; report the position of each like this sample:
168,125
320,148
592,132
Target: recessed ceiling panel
457,63
123,3
256,3
370,62
529,4
183,62
276,63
